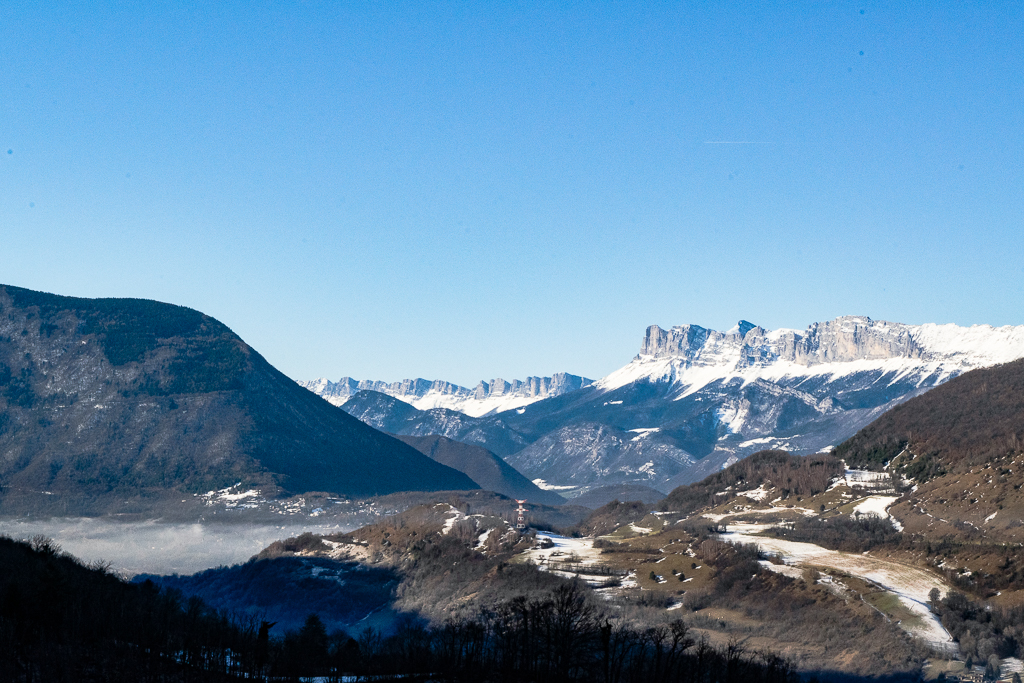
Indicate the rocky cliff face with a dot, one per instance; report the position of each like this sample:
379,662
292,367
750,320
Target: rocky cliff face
836,341
486,398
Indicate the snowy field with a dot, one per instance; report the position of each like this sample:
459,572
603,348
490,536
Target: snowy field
154,547
564,547
910,584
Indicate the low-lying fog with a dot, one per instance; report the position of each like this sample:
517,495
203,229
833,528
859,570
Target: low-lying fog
155,547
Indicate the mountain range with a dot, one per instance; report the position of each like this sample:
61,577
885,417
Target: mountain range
487,398
695,400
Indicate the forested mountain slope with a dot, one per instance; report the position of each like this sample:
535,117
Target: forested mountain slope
116,404
963,444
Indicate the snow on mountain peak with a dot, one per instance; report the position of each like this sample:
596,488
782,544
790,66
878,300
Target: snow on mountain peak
693,356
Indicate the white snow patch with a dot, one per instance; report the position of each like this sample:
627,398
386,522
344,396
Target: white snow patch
757,442
875,505
251,493
454,515
784,569
878,506
756,494
864,477
541,484
563,548
732,416
1010,666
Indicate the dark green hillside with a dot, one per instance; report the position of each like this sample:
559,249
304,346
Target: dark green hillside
115,404
975,418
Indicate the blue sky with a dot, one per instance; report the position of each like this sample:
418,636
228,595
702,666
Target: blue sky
476,190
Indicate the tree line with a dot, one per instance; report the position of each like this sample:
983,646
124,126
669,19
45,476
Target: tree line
562,636
984,632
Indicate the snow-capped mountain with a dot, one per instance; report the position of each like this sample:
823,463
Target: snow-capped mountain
487,398
694,399
692,356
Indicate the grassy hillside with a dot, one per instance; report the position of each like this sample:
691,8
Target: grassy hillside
963,445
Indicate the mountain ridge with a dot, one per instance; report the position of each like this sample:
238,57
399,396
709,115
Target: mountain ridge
680,353
695,400
485,468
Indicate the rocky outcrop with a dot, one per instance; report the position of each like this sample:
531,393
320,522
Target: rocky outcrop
841,340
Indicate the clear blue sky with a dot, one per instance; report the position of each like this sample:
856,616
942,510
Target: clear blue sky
471,190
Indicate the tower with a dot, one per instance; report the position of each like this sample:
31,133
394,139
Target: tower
520,515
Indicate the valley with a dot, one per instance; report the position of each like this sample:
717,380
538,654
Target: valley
880,576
